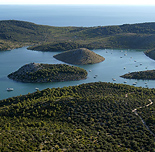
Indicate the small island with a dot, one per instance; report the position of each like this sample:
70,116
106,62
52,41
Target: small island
150,53
144,75
79,56
38,72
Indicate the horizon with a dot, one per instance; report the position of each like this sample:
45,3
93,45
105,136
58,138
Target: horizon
79,2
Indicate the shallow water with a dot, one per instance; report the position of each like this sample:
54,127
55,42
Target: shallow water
112,67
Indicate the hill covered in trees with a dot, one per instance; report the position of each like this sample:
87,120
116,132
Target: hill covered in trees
79,56
89,117
145,75
150,53
36,72
48,38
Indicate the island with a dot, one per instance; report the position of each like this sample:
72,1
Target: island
144,75
150,53
38,72
79,56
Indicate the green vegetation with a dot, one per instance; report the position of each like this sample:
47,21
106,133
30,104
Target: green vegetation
62,46
145,75
36,72
48,38
79,56
88,117
150,53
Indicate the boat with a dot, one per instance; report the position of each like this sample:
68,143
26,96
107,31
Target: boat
124,67
125,81
134,83
36,88
89,70
9,89
113,79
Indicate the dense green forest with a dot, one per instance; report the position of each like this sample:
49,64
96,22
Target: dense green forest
36,72
145,75
48,38
89,117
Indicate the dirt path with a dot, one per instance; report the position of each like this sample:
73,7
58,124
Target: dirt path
135,111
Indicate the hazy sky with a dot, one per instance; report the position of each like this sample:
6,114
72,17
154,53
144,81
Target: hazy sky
123,2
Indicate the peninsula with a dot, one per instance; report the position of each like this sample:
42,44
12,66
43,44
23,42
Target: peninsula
37,72
145,75
150,53
79,56
14,34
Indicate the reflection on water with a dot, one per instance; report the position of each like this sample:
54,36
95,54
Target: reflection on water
117,63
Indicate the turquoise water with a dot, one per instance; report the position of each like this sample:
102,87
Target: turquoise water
112,67
78,15
75,15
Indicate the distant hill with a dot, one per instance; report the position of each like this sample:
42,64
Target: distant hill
145,75
15,34
79,56
36,72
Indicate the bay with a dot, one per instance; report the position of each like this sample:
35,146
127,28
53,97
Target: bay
75,15
112,67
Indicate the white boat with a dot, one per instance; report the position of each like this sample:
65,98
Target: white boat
113,79
9,89
37,88
125,81
124,67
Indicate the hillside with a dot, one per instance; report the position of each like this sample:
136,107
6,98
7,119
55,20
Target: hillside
62,46
144,75
48,38
88,117
150,53
36,72
79,56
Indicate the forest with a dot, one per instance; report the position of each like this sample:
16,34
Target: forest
89,117
14,34
34,72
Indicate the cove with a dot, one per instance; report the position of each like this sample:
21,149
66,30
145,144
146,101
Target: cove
117,62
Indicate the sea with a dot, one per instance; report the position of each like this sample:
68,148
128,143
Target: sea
117,62
78,15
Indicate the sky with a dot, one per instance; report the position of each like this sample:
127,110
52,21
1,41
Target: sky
111,2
